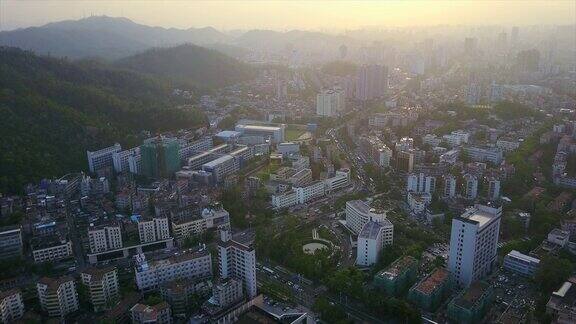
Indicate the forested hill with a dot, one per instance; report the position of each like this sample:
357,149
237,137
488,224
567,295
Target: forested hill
190,65
53,110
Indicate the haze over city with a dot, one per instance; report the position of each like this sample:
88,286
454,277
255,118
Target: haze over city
281,15
302,162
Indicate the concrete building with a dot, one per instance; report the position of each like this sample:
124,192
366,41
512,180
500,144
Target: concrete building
470,186
152,230
187,265
189,149
449,186
418,202
372,238
420,183
359,213
405,161
58,297
478,154
122,160
227,292
51,248
474,244
103,287
493,188
11,306
471,305
521,263
558,237
160,157
288,148
562,303
181,294
185,227
221,167
157,314
274,133
398,276
195,162
104,238
431,291
450,157
372,82
330,102
10,242
237,261
102,158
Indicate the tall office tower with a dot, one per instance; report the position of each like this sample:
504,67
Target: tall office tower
470,45
474,243
470,186
160,157
238,261
102,158
449,186
58,297
493,188
330,102
372,82
103,287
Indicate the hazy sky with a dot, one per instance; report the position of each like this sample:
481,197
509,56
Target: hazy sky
292,14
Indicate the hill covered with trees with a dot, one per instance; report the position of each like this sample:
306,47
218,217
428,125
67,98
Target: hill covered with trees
53,110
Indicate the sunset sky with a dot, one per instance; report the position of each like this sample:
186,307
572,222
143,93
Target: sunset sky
294,14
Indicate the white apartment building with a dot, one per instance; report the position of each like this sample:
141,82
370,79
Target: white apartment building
238,261
152,230
493,155
420,183
209,218
474,244
227,292
450,157
10,242
275,133
196,161
470,186
185,265
121,159
418,202
521,263
288,148
431,139
11,306
221,167
340,180
103,287
58,297
493,188
104,238
372,238
301,178
102,158
331,102
359,213
54,251
188,149
285,200
449,186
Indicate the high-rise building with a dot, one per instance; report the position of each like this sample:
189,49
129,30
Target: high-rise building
474,243
160,157
449,186
420,183
470,186
122,160
104,238
372,238
11,306
103,287
330,102
10,242
102,158
493,188
405,161
372,82
58,297
238,261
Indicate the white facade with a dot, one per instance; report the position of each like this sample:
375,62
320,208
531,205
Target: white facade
121,159
152,230
521,263
56,252
102,286
418,202
209,218
330,102
470,186
237,261
372,237
187,265
58,297
493,155
493,188
359,213
102,158
450,157
449,186
11,306
105,238
420,183
288,148
474,244
276,133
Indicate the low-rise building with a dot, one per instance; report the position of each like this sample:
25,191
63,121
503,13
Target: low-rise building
398,276
181,293
51,248
471,305
558,237
431,291
521,263
209,218
562,303
157,314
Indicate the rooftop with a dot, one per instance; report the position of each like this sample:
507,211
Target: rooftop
472,295
398,267
517,255
218,161
432,281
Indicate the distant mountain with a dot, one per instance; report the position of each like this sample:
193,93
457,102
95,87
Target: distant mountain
53,110
190,65
292,39
106,37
